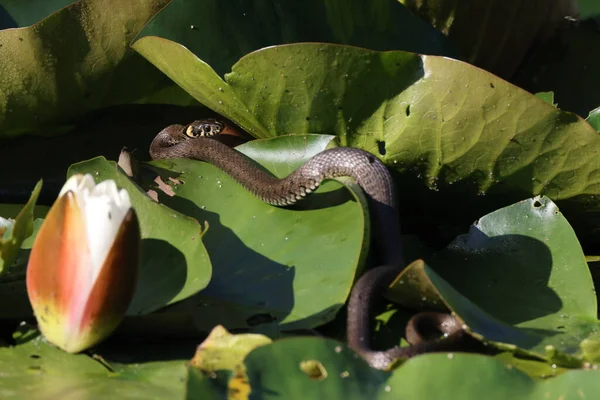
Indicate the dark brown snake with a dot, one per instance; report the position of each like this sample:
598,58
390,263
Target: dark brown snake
196,141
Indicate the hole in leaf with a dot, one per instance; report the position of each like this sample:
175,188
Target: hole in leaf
537,204
34,356
381,147
313,369
492,85
408,110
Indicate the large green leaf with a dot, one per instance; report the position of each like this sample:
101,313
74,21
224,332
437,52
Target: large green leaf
528,256
290,266
373,24
548,97
276,371
588,8
174,263
567,67
495,35
37,370
72,62
518,278
18,13
479,141
594,118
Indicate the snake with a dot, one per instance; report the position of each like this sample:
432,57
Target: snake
198,141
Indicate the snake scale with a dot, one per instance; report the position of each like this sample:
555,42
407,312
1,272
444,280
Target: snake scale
197,141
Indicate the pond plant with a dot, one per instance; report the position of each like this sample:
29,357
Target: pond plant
127,273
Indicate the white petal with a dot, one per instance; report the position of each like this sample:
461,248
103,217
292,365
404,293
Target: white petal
103,207
104,211
6,224
77,183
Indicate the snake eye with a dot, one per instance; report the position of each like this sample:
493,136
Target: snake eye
191,131
207,130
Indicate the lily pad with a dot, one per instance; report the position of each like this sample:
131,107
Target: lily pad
566,66
496,36
548,97
74,61
588,8
459,130
425,377
594,118
35,369
268,262
17,14
519,278
14,232
373,24
174,263
533,368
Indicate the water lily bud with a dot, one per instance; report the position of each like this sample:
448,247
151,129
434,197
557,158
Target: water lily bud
83,265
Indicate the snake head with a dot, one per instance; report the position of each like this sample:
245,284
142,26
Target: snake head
167,143
207,127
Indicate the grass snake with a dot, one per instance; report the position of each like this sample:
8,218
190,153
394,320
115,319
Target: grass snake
197,141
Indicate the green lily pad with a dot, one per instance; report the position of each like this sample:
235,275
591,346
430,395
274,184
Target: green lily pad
197,382
35,369
174,263
533,368
496,36
14,232
588,8
567,67
446,125
529,257
72,62
548,97
274,371
440,295
17,14
270,262
373,24
594,118
519,278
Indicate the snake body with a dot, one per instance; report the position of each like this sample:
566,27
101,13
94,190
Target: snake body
179,141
